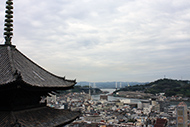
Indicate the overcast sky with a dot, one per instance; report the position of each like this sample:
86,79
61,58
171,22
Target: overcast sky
104,40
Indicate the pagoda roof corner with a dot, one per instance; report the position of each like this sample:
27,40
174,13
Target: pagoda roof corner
16,66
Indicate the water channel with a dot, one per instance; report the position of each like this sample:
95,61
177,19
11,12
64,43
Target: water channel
112,98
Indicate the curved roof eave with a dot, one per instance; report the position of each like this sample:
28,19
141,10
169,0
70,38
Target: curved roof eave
19,66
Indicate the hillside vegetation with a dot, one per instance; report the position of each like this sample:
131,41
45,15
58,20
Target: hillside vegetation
168,86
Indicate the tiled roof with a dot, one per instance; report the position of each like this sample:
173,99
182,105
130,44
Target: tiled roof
16,66
37,117
160,122
182,104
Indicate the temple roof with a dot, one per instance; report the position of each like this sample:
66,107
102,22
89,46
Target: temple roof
37,117
23,83
14,66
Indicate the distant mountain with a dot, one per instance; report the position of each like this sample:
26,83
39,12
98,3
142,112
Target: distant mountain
79,89
168,86
104,85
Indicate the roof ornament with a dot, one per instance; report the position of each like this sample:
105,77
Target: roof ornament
8,22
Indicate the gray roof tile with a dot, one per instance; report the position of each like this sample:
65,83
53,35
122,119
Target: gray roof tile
37,117
14,65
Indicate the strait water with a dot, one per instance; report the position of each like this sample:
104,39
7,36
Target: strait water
112,98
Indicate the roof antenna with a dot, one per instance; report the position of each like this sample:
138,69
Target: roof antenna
8,23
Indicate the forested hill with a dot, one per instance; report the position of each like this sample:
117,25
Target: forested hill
168,86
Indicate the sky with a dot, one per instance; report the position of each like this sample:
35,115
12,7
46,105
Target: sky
104,40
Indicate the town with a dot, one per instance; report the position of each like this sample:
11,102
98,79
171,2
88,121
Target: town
156,111
104,42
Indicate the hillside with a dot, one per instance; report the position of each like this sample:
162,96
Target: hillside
168,86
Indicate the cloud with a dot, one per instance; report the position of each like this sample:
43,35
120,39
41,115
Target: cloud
105,40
